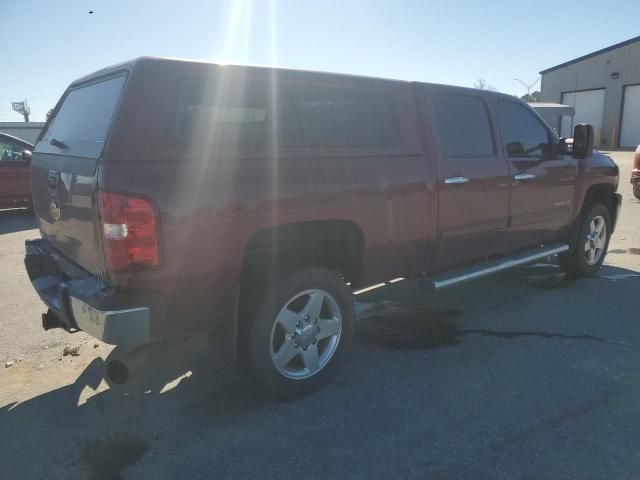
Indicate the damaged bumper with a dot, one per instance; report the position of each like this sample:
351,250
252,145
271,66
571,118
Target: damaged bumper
77,300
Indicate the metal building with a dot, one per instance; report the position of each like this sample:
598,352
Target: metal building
604,89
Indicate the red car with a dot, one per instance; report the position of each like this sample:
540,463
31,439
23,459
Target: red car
15,172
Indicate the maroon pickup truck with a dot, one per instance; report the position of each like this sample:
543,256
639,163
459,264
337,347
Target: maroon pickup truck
248,203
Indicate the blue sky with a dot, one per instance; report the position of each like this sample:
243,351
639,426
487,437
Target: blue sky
48,43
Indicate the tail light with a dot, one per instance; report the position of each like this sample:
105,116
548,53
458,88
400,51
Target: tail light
129,230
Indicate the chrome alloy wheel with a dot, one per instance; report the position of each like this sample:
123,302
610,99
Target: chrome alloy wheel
596,240
305,334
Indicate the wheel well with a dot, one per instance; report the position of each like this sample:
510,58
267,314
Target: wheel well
332,244
336,245
603,193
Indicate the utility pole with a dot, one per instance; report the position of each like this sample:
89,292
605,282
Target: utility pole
528,86
22,108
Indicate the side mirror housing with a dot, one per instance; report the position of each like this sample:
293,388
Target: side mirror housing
26,155
565,146
582,141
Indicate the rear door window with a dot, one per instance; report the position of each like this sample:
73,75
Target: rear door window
81,125
463,125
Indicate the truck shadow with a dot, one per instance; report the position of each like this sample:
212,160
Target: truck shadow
113,429
186,389
16,220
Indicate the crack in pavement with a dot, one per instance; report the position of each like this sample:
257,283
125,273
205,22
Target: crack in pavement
509,335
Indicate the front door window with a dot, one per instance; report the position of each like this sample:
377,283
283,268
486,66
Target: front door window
523,134
10,151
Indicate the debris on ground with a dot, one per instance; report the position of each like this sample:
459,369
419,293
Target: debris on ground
73,351
95,345
8,363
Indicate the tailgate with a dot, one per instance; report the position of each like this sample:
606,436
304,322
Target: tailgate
64,171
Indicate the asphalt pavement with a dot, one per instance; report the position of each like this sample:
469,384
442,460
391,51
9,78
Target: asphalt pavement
526,375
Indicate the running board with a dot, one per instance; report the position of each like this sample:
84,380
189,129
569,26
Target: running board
454,277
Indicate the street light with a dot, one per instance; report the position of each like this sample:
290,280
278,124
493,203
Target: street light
528,86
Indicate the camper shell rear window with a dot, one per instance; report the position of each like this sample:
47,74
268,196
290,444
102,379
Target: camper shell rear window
81,124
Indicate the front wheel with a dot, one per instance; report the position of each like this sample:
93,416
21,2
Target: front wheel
592,244
301,332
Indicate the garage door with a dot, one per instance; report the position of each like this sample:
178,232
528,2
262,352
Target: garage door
630,128
589,105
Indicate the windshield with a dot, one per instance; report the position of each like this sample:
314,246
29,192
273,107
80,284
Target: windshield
81,125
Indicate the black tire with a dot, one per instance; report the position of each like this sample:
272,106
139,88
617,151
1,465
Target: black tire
636,190
259,341
575,262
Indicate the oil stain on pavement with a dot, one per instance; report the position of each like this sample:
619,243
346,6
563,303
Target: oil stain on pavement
391,325
105,459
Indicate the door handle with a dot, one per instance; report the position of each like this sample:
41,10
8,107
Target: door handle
454,180
524,176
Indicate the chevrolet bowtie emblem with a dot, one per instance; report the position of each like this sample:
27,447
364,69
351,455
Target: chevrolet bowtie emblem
54,211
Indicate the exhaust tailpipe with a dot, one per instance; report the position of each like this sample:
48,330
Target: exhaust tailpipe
50,320
118,372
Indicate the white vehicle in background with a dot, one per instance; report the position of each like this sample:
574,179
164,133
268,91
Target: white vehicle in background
552,113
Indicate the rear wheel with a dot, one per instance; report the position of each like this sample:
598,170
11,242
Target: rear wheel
301,332
592,244
636,190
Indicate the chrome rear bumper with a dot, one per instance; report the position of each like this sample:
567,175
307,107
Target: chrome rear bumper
78,300
116,327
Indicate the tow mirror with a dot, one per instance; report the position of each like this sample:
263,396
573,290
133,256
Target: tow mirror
582,141
26,155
